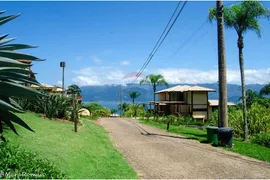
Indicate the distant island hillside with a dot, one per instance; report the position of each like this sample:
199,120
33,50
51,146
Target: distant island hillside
109,94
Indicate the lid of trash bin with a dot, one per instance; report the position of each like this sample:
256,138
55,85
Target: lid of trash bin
223,129
211,127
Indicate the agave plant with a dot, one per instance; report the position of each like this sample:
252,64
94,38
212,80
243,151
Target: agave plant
13,77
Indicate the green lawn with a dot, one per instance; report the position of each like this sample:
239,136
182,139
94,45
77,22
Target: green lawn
86,154
247,149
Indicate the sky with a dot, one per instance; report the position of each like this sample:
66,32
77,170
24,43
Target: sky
101,42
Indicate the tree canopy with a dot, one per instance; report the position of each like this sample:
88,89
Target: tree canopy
74,89
243,17
265,90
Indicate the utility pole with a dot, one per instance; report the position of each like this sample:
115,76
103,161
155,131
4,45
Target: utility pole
63,65
121,103
223,108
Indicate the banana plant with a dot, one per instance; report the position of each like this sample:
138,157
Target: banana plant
13,77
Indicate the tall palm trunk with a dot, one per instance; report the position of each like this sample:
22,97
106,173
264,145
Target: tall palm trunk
154,89
240,44
223,108
133,100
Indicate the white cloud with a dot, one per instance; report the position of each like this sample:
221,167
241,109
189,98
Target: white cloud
98,76
193,76
110,75
96,59
59,82
125,63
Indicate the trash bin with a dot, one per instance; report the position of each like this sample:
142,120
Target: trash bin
212,135
225,136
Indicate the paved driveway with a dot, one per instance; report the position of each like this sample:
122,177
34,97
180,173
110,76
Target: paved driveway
163,155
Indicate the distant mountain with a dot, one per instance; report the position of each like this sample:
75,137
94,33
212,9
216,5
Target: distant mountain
111,92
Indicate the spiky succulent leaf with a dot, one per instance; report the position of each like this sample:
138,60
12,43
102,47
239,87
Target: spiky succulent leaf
17,56
4,41
13,77
12,47
4,106
6,62
17,90
18,77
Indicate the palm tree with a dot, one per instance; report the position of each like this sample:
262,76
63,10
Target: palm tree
124,106
154,80
243,17
133,95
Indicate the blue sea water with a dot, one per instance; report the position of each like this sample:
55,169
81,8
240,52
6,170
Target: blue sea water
107,104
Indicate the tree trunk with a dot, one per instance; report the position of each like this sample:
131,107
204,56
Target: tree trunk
154,88
133,100
75,125
223,108
240,44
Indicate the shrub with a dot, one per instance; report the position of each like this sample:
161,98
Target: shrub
56,106
235,120
92,107
103,112
148,115
187,120
134,110
262,139
18,163
258,119
53,106
34,105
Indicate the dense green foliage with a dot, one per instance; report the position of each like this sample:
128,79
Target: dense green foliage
253,96
74,90
89,154
52,106
92,107
21,164
55,106
103,112
96,110
265,90
113,111
258,120
134,110
262,139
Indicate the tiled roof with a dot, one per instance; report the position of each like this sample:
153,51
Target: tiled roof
185,88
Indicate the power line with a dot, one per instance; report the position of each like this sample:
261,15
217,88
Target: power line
200,38
158,46
193,34
150,55
186,41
